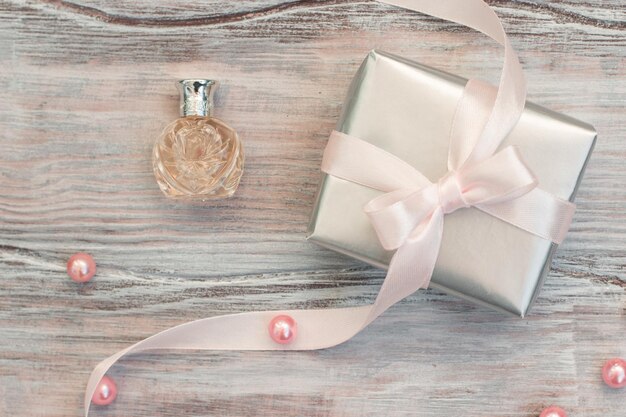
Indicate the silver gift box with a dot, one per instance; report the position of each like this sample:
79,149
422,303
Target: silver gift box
406,109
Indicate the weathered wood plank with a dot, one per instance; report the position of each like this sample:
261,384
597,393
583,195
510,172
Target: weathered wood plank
86,86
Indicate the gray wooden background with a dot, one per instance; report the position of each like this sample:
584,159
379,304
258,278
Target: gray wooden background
85,88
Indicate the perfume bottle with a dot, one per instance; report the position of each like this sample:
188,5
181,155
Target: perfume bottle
198,156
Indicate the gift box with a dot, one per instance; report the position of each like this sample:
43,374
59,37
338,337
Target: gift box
407,109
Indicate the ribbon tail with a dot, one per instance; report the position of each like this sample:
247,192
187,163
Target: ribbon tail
96,375
412,265
318,329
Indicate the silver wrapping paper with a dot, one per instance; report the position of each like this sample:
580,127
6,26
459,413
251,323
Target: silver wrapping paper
407,109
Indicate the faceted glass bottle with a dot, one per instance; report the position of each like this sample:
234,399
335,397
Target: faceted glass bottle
198,156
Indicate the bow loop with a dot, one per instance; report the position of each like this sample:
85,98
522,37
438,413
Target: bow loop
396,215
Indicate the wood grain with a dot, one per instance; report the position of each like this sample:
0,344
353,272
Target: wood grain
85,88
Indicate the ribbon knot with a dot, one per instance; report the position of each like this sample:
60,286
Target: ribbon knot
450,194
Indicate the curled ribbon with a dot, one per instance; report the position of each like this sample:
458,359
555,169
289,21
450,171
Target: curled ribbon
409,216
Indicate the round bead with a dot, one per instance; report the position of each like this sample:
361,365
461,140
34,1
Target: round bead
553,411
81,267
614,373
283,329
105,393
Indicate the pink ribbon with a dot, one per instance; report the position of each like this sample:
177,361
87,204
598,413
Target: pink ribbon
409,216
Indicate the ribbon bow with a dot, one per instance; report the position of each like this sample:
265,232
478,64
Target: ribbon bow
409,216
400,215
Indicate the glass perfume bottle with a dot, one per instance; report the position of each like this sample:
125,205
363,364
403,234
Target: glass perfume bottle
198,156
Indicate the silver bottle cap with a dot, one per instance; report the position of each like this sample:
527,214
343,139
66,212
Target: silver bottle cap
196,97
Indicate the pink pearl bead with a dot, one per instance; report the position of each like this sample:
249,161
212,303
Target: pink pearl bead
105,393
553,411
81,267
283,329
614,373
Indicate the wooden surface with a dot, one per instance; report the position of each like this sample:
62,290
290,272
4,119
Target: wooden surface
85,88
